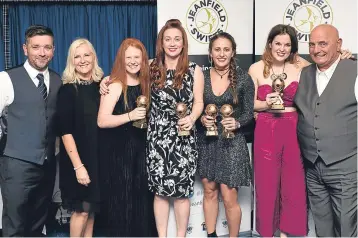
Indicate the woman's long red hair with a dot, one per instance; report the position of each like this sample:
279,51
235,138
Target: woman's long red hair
158,68
119,73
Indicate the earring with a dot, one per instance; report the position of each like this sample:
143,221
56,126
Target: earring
210,61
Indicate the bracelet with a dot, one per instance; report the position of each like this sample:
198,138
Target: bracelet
129,117
237,124
80,166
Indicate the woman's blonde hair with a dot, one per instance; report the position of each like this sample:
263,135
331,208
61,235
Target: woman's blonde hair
69,74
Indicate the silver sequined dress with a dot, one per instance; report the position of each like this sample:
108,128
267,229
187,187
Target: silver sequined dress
227,161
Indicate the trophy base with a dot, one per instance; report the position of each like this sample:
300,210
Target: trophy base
140,124
184,133
277,107
211,133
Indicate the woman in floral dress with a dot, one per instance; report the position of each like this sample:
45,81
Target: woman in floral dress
172,159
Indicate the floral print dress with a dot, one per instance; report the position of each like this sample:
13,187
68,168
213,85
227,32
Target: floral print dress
171,159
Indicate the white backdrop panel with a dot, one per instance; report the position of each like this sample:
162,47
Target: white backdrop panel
202,18
304,14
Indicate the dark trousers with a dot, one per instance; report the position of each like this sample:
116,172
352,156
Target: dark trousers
26,190
332,193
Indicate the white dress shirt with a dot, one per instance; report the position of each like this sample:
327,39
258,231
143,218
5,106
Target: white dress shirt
7,89
321,87
323,77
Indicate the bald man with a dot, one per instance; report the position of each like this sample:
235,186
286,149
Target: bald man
327,133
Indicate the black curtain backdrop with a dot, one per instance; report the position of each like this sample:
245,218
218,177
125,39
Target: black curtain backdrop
104,24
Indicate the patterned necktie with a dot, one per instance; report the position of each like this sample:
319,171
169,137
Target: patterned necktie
42,86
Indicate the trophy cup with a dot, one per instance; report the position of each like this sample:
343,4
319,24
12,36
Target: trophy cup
181,111
212,110
142,101
278,85
226,111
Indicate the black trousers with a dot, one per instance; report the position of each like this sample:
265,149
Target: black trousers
26,190
332,193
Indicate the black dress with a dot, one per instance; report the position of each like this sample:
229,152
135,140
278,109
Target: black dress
77,109
127,205
227,161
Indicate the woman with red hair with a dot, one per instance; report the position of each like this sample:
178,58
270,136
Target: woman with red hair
172,159
127,208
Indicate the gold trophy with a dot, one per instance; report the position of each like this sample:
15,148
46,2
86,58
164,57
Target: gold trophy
181,111
212,110
226,111
142,101
278,85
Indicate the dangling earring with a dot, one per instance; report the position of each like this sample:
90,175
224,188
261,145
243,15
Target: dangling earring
210,61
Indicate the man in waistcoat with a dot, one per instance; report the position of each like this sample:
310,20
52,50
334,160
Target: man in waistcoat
28,166
327,133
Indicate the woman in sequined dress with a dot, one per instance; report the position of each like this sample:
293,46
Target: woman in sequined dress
224,163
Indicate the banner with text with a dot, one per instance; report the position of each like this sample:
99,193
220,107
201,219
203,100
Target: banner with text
202,19
304,15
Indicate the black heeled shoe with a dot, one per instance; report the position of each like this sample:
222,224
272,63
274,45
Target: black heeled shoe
213,234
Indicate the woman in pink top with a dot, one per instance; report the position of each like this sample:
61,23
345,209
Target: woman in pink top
278,167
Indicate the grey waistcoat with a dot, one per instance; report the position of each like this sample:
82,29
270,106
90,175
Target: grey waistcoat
31,133
327,124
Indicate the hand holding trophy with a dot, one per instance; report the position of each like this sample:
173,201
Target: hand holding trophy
212,111
226,111
181,110
142,101
278,85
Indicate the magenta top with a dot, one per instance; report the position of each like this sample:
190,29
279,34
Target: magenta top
288,93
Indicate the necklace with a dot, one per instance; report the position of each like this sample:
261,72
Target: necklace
281,76
221,75
85,82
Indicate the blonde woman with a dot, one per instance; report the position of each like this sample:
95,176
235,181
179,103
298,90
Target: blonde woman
77,108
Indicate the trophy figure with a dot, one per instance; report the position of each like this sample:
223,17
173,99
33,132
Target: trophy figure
226,111
212,110
278,85
142,101
181,111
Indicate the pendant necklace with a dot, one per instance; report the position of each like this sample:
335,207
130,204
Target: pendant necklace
281,76
85,82
221,75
